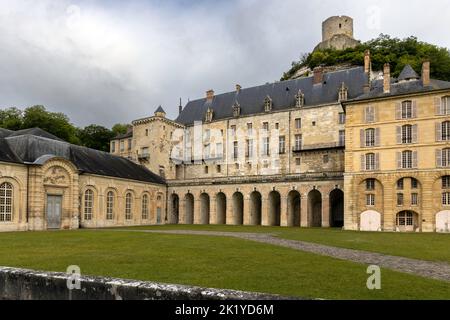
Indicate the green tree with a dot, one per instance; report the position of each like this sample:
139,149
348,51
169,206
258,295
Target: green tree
11,118
120,128
96,137
55,123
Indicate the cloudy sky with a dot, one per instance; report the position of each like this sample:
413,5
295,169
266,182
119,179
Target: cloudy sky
114,61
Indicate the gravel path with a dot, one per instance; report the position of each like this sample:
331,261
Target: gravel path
428,269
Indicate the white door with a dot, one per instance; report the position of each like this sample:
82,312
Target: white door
370,221
443,221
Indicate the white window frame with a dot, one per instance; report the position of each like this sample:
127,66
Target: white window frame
110,205
6,202
128,206
145,211
88,204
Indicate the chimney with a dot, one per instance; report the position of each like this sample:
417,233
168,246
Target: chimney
238,88
180,107
318,75
387,78
367,61
426,73
210,94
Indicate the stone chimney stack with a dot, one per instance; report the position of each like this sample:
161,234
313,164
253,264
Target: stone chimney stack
426,73
387,78
367,61
209,94
318,75
238,88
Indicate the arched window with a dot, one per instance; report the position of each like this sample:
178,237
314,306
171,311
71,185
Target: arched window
6,202
110,206
370,137
145,207
128,206
88,204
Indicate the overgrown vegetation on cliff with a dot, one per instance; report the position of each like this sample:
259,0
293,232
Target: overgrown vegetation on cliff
398,52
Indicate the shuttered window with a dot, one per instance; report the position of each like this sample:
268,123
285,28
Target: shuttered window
407,159
369,114
370,162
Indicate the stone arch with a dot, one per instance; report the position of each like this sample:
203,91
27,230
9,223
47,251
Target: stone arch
294,209
238,208
370,220
337,208
89,203
315,208
189,202
175,208
407,221
274,208
443,221
204,208
255,208
221,208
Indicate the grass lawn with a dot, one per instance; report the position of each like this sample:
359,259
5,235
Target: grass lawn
218,262
424,246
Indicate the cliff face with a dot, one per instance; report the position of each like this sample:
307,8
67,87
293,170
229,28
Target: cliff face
338,42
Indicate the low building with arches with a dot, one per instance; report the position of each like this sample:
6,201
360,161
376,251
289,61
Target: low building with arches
46,183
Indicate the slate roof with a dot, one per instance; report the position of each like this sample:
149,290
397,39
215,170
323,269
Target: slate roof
29,148
4,132
282,93
408,73
129,134
160,109
38,132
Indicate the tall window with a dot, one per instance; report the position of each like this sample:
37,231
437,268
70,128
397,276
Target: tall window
370,184
145,207
414,199
407,159
129,144
233,130
370,161
445,105
113,146
250,129
400,184
370,137
414,183
446,198
298,142
235,150
446,130
88,204
110,205
265,126
407,134
342,118
445,157
369,114
6,202
298,123
406,109
400,199
207,134
266,146
446,182
219,150
122,146
370,200
341,138
249,151
282,145
128,206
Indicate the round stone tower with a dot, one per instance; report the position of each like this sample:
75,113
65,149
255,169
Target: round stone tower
337,25
337,33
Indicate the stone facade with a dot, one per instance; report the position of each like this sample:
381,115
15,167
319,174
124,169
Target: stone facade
337,33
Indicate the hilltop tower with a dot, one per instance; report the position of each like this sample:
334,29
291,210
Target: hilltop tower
337,33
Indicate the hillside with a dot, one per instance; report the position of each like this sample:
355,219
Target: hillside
398,52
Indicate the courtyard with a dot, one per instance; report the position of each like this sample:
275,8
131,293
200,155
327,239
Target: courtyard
235,258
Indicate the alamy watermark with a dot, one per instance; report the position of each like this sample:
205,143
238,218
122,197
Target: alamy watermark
374,280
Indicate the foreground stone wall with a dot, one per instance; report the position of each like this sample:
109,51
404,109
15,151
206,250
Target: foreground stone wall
37,285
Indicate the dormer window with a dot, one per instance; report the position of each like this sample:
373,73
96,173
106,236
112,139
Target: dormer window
299,99
209,115
268,104
343,92
236,109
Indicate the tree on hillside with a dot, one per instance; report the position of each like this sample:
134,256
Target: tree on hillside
398,52
11,119
96,137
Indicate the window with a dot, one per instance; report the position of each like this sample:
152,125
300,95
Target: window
277,126
446,198
400,199
266,147
282,145
250,129
267,104
407,134
341,118
405,219
445,157
146,132
207,134
298,142
326,158
313,123
113,146
414,199
233,130
145,152
400,184
297,161
414,183
370,200
298,123
207,152
235,150
407,110
266,126
370,161
128,206
88,204
370,184
341,138
446,182
122,146
369,114
145,207
370,137
110,205
445,105
129,144
206,170
218,168
407,159
446,131
6,202
249,151
219,150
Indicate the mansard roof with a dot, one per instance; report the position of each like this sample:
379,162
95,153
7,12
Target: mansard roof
282,94
27,148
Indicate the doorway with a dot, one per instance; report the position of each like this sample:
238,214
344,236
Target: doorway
54,208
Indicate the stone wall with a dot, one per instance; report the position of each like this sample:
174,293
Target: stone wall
24,284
